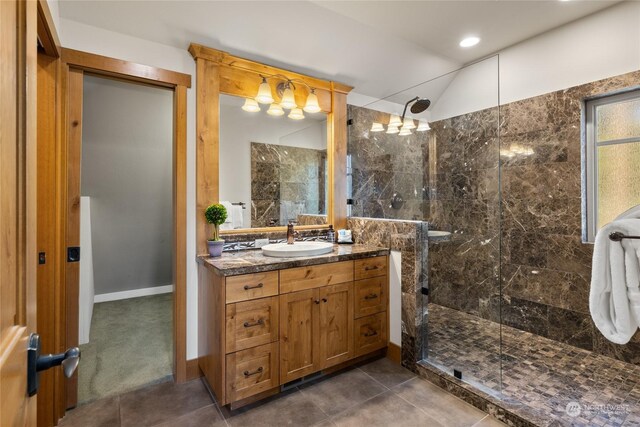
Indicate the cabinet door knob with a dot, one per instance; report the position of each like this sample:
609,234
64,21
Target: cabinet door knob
317,301
247,287
324,300
257,371
259,322
371,296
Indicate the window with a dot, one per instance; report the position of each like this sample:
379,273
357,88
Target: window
612,159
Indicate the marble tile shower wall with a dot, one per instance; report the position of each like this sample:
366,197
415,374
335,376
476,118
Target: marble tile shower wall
285,182
462,181
384,164
545,267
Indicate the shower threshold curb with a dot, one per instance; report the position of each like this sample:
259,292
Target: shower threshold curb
484,401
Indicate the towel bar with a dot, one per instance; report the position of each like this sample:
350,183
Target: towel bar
243,204
617,236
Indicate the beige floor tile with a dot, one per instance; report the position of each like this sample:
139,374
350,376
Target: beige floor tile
385,410
346,389
291,409
439,404
209,416
101,413
387,372
162,402
489,421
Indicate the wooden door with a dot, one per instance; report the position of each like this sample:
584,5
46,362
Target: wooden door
299,329
17,207
336,324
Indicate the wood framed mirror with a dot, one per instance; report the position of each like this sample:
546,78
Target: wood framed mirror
221,76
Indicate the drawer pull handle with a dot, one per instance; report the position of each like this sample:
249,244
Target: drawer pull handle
247,374
371,296
371,267
259,285
259,322
371,334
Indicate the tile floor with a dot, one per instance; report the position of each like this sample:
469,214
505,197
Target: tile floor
536,377
379,393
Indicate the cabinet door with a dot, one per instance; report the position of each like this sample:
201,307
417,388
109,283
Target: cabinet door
299,329
336,324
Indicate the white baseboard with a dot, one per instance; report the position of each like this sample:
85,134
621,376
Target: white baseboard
135,293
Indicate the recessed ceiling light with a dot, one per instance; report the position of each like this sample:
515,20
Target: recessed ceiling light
469,41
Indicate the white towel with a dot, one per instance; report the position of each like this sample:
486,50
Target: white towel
236,217
614,300
228,223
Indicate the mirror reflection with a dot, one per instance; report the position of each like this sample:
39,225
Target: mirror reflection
273,169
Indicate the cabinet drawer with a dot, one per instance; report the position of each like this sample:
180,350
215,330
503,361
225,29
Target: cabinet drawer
252,371
371,296
370,267
251,323
315,276
252,286
371,333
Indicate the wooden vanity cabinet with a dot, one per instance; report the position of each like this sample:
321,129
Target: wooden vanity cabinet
279,326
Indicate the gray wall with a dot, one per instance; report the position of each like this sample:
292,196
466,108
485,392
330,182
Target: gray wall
127,172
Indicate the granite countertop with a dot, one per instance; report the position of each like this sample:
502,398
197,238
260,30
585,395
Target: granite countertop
252,261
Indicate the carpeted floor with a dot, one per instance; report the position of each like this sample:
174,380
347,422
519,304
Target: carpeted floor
131,345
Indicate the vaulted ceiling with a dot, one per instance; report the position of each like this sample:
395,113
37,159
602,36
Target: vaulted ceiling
379,47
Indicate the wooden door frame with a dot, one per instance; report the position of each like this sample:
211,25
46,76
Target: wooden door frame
74,65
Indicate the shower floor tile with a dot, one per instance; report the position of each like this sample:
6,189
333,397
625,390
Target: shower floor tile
535,375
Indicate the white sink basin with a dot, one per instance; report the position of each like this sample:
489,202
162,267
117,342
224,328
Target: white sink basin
438,234
284,250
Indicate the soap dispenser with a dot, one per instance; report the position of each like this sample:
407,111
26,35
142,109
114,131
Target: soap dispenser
331,234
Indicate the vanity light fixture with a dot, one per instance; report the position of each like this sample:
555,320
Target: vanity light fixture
264,92
285,90
312,105
275,110
296,114
377,127
408,124
392,129
251,105
423,125
288,99
394,120
404,131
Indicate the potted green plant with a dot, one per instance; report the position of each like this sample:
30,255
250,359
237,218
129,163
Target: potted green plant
215,214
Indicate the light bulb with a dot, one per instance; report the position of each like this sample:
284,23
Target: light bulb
288,99
377,127
312,105
404,131
264,93
275,110
251,105
296,114
392,129
423,126
408,124
394,120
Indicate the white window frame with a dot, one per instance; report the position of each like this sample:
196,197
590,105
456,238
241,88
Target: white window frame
590,204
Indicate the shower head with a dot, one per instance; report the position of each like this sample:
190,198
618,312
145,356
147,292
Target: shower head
420,105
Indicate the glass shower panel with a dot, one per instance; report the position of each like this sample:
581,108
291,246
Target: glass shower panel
461,312
440,166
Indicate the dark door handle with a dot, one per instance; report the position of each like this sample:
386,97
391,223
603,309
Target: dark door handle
371,296
36,363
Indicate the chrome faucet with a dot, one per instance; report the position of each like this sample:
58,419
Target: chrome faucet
290,234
